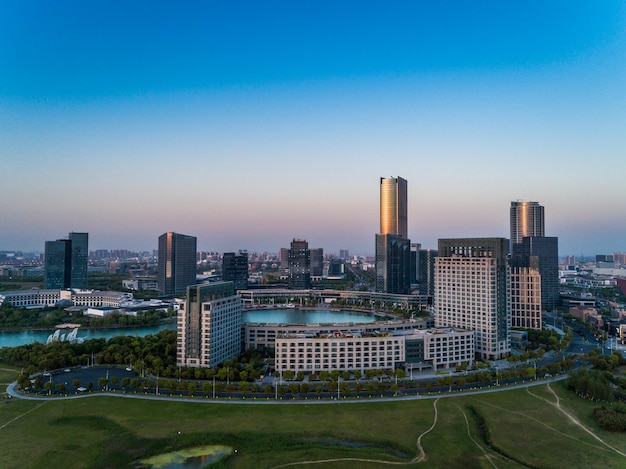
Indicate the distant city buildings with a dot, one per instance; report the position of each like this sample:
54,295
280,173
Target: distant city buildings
209,325
235,269
393,248
177,263
66,262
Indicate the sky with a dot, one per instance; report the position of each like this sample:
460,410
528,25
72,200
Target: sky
247,124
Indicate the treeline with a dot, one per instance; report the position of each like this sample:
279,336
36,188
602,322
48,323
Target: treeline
599,385
153,354
12,317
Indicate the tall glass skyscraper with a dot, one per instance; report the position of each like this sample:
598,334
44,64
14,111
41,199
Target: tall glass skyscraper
393,248
526,220
393,206
66,262
235,269
177,263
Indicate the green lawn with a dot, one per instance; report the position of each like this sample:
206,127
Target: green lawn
109,432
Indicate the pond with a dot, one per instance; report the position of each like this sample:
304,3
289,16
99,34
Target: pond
190,458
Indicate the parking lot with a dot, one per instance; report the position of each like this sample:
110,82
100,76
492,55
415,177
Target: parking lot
87,376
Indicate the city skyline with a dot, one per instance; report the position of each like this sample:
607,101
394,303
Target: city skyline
130,125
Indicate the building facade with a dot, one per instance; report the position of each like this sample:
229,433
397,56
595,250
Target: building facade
393,206
66,262
426,271
525,298
299,265
209,325
177,263
471,292
527,219
235,269
393,264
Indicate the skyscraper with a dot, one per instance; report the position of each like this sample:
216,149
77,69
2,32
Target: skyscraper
66,262
526,220
426,271
177,263
531,248
235,269
393,206
209,325
299,265
317,262
393,248
58,260
80,255
471,287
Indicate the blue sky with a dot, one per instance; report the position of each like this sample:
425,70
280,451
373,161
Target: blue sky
249,123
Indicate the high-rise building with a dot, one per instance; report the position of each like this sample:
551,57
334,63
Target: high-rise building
393,206
58,259
393,248
283,260
527,219
426,271
235,269
393,264
541,253
209,325
66,262
471,291
525,297
177,263
80,256
317,262
299,265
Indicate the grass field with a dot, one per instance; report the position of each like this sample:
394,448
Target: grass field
524,428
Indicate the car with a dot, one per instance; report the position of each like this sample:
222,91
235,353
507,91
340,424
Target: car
46,374
67,370
81,388
128,368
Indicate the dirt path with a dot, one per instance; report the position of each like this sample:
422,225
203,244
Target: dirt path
21,415
474,441
576,422
421,454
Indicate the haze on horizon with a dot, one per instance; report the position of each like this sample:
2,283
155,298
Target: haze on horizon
247,124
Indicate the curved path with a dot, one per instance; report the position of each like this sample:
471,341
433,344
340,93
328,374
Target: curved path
421,454
575,421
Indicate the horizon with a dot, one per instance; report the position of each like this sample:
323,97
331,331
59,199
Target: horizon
248,125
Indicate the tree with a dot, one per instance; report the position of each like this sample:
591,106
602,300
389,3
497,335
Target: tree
102,382
48,386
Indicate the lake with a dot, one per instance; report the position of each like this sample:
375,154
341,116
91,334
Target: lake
277,316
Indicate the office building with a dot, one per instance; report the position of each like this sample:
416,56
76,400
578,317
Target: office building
177,263
525,297
209,325
541,253
66,262
393,248
80,256
527,219
317,263
471,291
426,271
299,265
393,264
58,258
235,269
393,206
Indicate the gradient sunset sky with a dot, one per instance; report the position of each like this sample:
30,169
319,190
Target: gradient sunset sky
247,124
